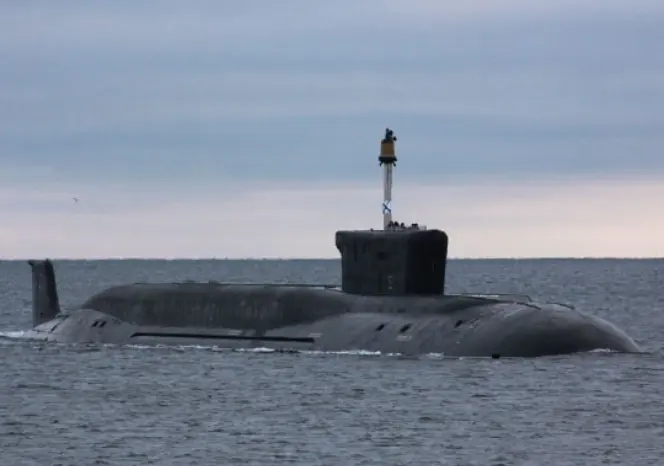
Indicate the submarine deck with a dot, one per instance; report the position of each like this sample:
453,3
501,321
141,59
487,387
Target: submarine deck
146,289
266,306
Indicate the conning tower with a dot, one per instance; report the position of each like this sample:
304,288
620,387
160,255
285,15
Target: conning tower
398,260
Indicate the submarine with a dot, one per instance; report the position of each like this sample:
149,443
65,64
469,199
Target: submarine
391,300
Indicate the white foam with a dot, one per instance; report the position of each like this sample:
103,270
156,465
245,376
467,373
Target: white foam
41,336
603,350
23,335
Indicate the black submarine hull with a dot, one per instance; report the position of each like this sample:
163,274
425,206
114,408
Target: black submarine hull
319,319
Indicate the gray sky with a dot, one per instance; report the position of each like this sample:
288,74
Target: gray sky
151,113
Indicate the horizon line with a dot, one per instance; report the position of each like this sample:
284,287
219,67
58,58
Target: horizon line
212,258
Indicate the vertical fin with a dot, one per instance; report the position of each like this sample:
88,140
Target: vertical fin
45,302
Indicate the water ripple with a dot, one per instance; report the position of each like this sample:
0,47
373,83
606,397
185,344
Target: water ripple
110,405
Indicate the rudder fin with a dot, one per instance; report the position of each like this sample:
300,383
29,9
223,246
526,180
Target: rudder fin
45,301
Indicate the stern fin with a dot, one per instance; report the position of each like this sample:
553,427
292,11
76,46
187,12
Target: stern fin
45,301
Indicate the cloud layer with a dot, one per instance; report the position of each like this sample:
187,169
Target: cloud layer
533,218
234,99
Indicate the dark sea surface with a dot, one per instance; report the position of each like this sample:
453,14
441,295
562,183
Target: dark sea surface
67,405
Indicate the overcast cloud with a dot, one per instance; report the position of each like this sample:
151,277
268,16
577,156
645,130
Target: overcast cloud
175,115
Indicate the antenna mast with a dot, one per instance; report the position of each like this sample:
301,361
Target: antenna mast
388,160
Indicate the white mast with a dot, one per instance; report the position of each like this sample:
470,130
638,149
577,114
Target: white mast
388,161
